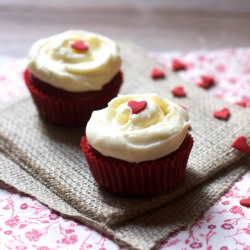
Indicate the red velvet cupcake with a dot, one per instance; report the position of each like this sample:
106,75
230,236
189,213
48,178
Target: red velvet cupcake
71,74
138,146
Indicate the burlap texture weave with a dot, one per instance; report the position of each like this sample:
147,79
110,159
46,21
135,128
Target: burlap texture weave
46,162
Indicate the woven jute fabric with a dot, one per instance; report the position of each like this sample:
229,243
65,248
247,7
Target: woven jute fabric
46,161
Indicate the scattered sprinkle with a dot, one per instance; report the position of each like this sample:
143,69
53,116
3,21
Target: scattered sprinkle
178,91
245,202
157,73
242,104
206,82
241,144
178,65
222,114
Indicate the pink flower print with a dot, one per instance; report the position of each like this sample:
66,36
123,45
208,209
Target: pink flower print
240,179
221,68
73,239
232,80
8,232
43,248
224,248
53,216
201,58
69,240
190,65
34,235
235,210
229,193
246,230
211,226
12,222
24,206
246,248
21,247
69,231
66,241
225,202
227,226
196,245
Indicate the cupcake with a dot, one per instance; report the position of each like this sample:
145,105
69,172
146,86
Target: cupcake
71,74
138,146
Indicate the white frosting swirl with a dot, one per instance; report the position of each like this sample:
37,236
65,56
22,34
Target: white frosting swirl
156,131
52,60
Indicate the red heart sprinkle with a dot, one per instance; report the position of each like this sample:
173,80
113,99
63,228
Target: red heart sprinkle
157,73
207,78
189,126
242,104
137,107
206,82
245,202
222,114
80,45
178,65
178,91
241,144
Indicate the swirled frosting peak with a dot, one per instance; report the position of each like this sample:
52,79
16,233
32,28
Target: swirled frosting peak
75,60
157,130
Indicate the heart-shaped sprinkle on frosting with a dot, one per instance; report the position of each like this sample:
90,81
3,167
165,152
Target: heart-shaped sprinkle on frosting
157,73
222,114
245,202
178,91
80,45
137,107
241,144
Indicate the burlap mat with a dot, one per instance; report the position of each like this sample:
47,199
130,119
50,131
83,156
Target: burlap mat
46,162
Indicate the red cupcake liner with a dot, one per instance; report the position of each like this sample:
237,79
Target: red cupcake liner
67,108
144,179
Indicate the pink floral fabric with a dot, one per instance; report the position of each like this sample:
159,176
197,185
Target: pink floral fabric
225,226
27,224
230,70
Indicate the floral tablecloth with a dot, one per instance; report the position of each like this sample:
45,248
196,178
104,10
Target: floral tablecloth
27,224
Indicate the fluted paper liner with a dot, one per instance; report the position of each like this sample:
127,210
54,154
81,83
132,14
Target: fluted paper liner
71,112
46,161
143,179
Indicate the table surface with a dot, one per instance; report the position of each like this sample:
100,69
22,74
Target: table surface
155,25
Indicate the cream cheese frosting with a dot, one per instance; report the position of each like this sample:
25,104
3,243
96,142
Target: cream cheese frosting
154,132
54,61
